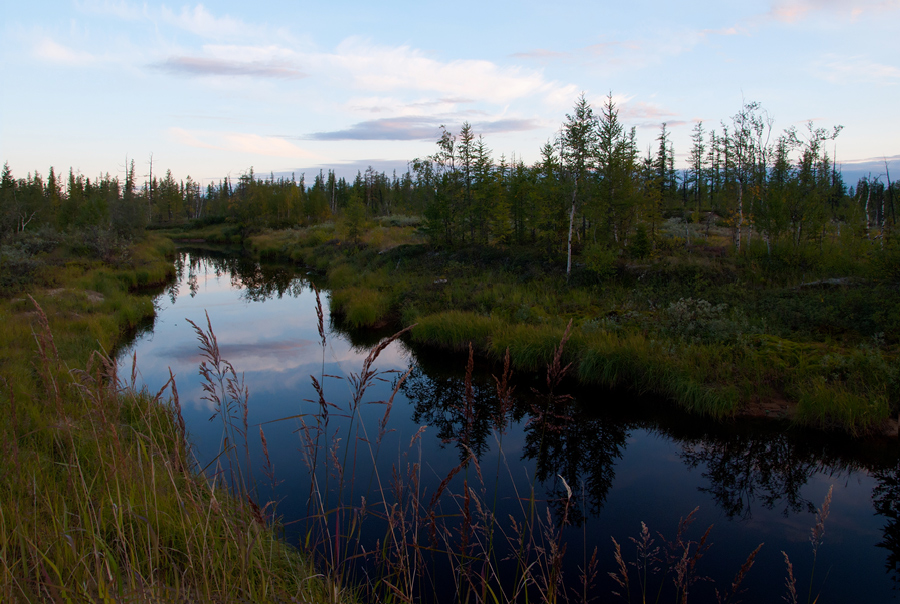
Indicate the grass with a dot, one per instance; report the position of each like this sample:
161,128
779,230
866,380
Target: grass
360,306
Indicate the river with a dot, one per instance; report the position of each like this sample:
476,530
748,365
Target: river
600,462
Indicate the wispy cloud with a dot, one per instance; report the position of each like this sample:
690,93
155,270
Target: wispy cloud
201,66
196,19
540,54
203,23
840,70
795,10
395,129
120,9
874,160
384,68
640,110
417,128
651,48
240,142
400,107
54,52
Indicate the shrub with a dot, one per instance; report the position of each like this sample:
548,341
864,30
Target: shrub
700,321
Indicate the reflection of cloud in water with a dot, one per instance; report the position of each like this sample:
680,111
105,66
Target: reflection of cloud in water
395,356
278,355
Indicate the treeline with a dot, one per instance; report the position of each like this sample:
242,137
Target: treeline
120,205
592,190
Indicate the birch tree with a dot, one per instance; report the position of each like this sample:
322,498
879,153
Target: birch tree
579,144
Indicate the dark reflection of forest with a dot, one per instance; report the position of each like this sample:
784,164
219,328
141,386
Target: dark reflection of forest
563,441
747,470
257,281
886,499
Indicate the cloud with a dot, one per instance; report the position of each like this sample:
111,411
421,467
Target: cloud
790,11
188,353
201,66
416,128
395,129
540,53
116,8
54,52
382,68
640,110
840,70
238,142
197,20
349,169
653,48
397,107
874,161
201,22
507,125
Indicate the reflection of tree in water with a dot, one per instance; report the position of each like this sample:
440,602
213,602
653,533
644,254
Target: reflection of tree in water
767,469
577,447
886,499
257,282
440,401
583,450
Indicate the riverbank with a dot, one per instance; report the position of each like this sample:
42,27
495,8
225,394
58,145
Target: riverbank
101,499
808,335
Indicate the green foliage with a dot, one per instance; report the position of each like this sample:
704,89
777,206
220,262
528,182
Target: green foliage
600,260
640,245
698,320
354,219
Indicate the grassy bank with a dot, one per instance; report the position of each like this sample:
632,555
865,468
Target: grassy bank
807,334
100,500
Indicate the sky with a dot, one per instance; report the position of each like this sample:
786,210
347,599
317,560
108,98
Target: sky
211,89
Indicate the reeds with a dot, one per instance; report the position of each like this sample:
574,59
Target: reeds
816,536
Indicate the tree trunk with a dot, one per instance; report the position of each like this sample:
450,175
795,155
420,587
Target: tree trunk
868,197
740,216
571,228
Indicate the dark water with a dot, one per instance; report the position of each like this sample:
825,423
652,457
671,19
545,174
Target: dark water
627,460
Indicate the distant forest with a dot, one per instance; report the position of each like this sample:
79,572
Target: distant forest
592,189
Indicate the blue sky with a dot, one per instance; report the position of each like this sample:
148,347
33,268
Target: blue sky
211,89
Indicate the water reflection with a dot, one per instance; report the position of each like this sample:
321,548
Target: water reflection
886,499
582,450
440,401
256,282
562,440
747,469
